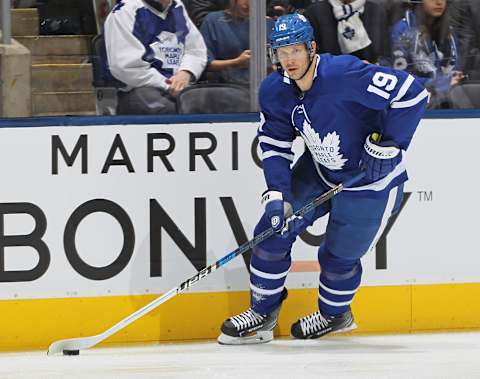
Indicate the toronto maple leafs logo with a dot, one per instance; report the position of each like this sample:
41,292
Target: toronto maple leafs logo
349,33
326,151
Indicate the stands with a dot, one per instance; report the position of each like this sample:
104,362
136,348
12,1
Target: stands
55,92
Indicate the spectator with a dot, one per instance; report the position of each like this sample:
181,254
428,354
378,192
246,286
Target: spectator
350,27
465,20
156,50
199,9
424,45
226,35
277,8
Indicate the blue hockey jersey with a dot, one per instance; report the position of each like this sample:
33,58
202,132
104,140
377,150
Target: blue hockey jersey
348,100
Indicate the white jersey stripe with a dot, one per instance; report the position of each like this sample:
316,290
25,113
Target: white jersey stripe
271,153
262,122
275,142
410,103
267,275
392,196
403,90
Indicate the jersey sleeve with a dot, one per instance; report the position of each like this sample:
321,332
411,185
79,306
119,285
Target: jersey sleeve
275,136
195,57
399,94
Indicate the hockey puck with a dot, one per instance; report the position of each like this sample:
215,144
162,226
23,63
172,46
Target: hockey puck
71,352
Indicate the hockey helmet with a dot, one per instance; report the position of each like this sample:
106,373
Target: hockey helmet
290,29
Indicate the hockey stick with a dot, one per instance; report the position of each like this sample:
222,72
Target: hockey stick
74,345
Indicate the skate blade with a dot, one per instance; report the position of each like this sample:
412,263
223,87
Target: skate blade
349,328
257,338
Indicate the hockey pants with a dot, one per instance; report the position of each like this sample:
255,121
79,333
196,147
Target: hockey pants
356,222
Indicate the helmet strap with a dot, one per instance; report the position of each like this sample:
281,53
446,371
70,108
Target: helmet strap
310,61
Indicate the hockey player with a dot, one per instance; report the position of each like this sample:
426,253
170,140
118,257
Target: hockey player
352,116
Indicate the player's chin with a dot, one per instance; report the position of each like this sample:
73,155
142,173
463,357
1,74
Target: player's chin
295,74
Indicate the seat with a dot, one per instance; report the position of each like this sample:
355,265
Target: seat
466,96
105,84
213,98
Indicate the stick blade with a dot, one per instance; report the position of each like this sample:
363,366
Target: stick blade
58,347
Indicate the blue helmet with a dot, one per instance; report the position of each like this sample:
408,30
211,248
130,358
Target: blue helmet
289,30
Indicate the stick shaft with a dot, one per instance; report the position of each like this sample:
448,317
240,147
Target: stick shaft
87,342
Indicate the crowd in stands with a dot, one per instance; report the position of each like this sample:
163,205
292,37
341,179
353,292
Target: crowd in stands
158,48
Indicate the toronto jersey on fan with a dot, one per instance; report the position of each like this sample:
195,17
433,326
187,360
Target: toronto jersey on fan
335,117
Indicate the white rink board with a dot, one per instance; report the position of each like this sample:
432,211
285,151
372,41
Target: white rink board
432,241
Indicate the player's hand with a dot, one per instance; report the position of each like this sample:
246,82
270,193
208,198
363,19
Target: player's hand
274,209
243,59
379,158
294,225
178,82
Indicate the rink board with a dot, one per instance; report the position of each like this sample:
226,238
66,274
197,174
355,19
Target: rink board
34,324
99,219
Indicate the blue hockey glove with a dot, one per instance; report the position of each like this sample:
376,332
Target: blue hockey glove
379,158
274,209
294,225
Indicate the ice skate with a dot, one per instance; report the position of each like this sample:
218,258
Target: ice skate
316,325
249,327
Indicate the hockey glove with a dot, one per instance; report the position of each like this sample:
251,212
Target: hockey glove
379,158
275,208
294,225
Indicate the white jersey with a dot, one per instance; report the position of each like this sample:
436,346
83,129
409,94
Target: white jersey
145,46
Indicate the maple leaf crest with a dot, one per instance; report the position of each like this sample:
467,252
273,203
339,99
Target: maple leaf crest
326,152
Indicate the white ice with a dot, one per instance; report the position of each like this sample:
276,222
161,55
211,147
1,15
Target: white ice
409,356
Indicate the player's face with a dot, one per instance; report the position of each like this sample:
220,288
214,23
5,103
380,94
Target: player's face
434,8
294,60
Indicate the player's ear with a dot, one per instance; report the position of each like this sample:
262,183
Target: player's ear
313,49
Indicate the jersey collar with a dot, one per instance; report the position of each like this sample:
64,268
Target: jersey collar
316,66
162,15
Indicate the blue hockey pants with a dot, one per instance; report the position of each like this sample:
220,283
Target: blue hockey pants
356,222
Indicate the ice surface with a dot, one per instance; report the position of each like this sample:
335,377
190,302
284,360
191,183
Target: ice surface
446,355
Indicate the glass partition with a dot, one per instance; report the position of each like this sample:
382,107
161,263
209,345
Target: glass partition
148,57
